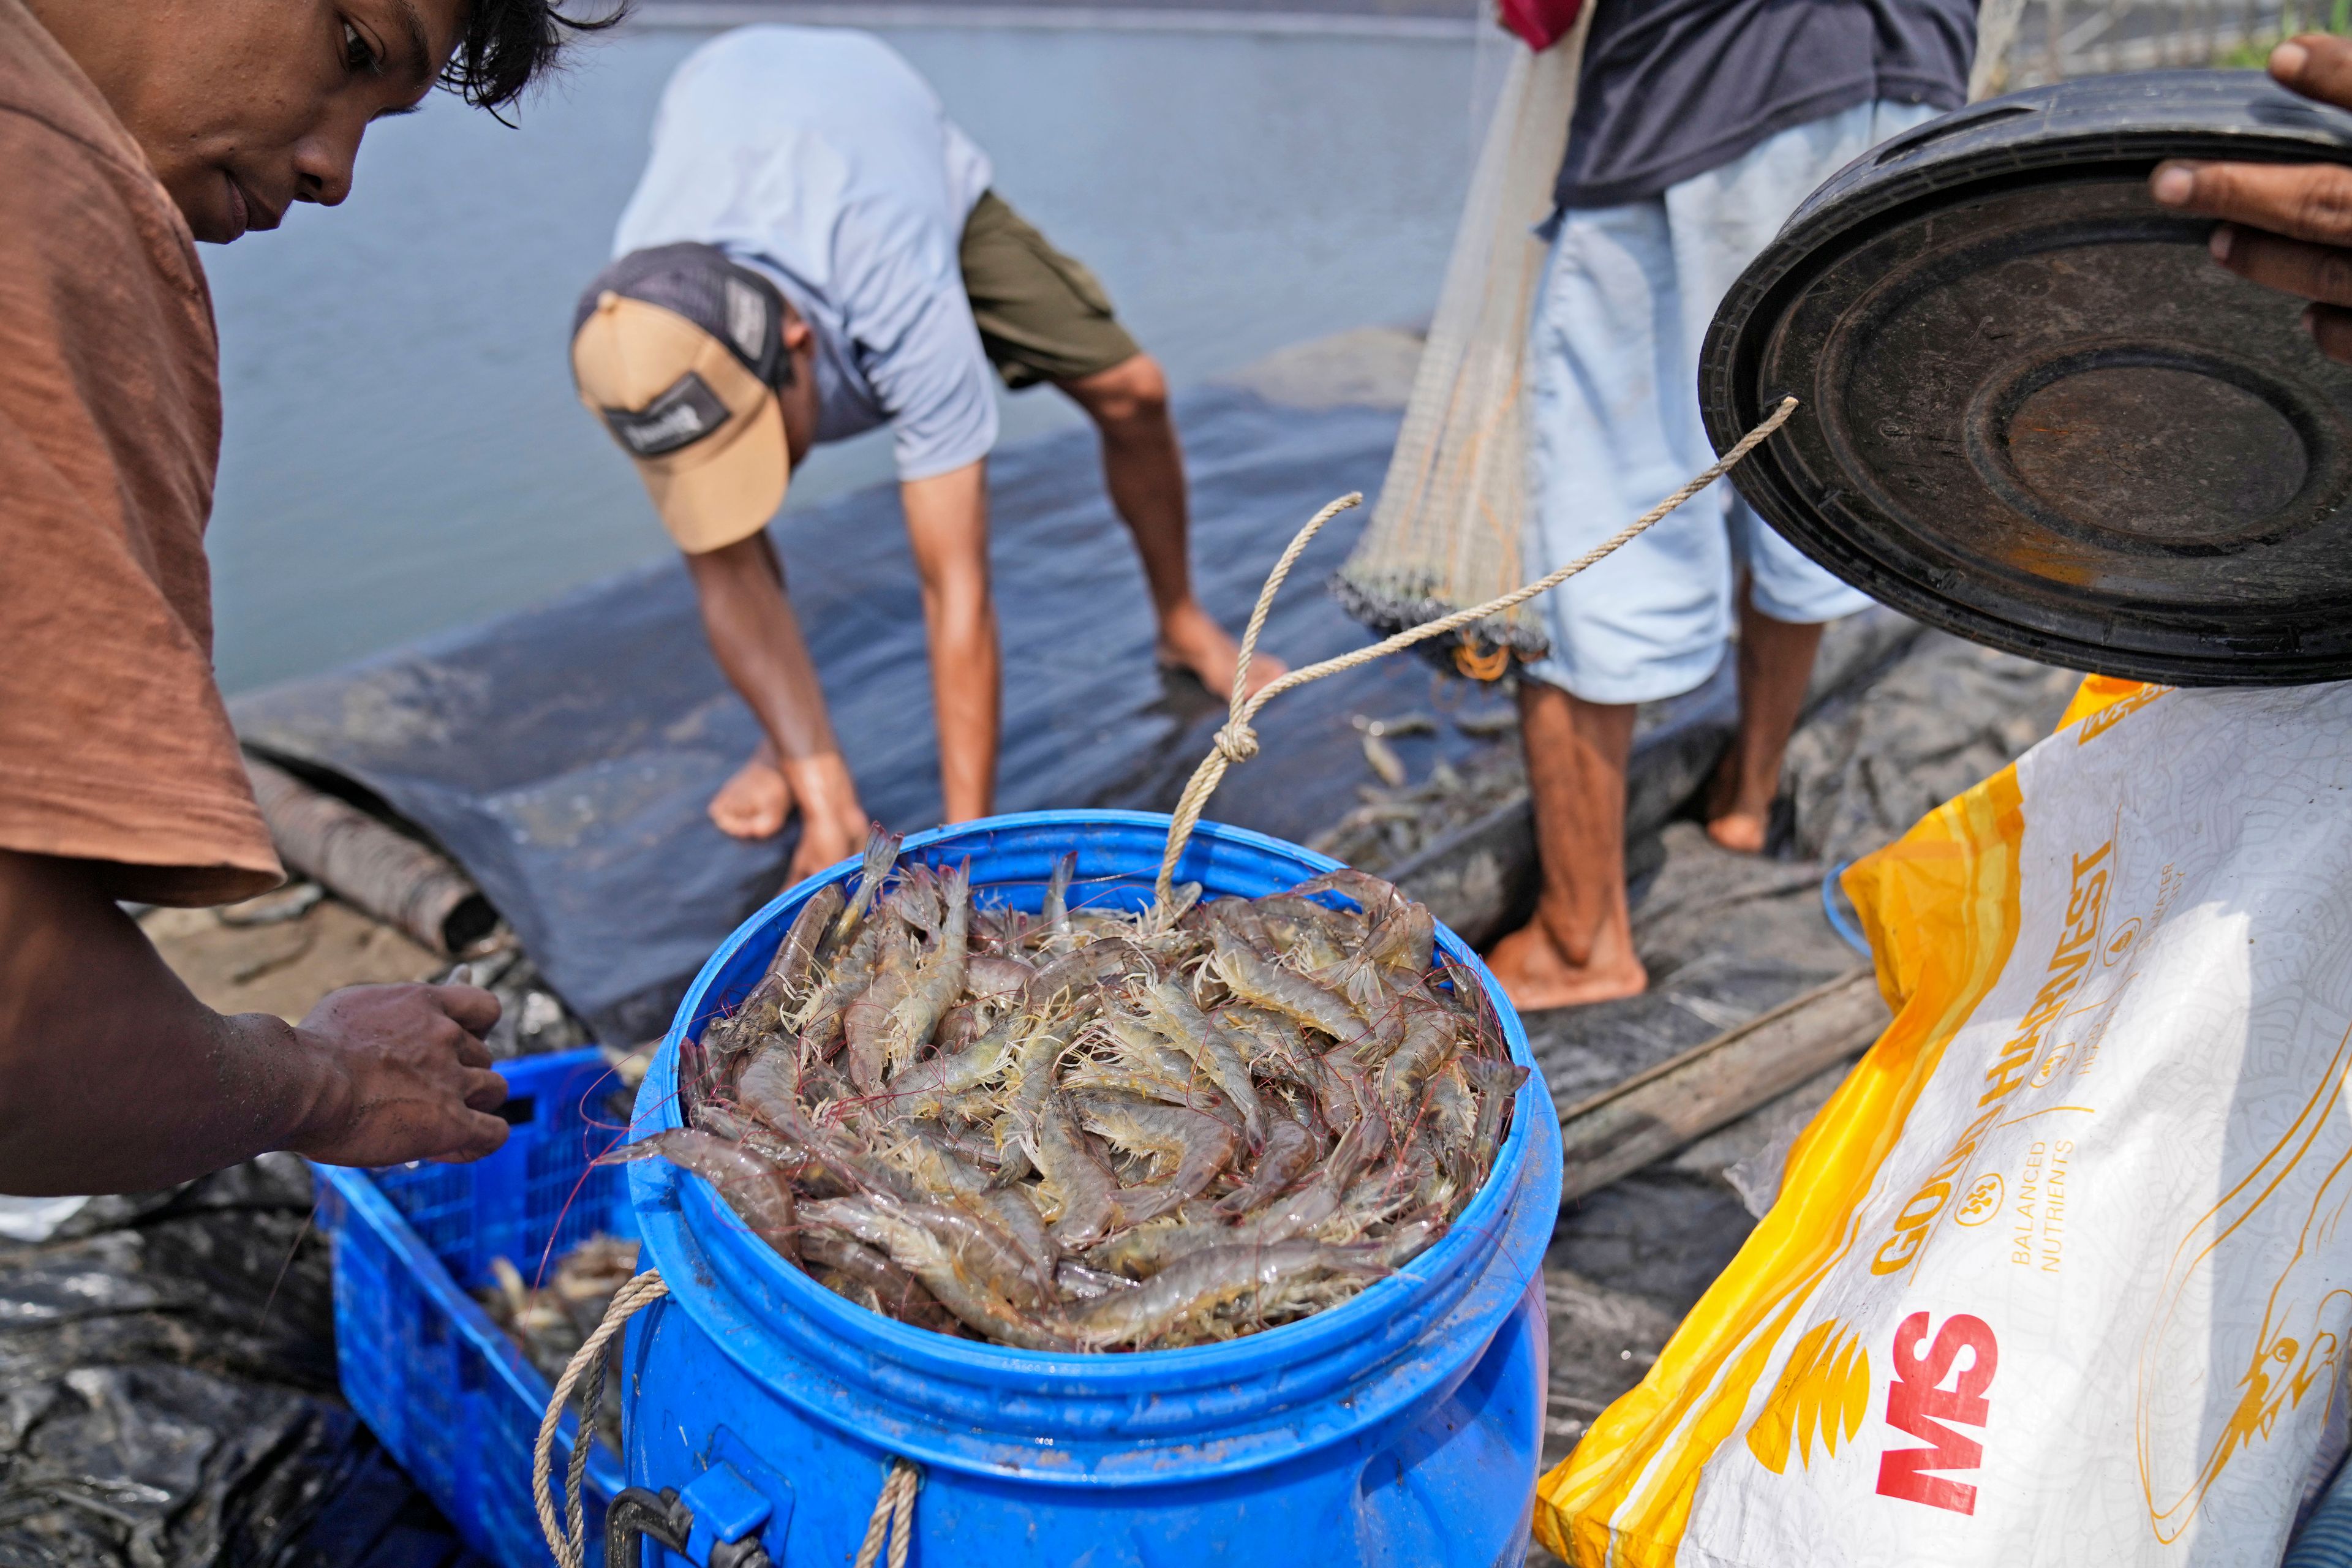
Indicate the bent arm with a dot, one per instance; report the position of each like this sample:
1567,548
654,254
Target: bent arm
756,640
113,1077
947,523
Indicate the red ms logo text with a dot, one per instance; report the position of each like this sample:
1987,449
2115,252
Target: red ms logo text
1939,1384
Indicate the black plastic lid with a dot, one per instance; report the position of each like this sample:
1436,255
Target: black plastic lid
2035,411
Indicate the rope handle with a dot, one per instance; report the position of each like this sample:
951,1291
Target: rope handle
1236,741
894,1510
567,1539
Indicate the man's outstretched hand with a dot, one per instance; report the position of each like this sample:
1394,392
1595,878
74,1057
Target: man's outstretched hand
2286,226
407,1076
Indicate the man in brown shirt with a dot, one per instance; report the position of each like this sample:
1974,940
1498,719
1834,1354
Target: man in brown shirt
128,131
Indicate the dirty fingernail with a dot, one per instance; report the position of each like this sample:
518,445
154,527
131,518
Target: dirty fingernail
2219,244
2172,184
2288,60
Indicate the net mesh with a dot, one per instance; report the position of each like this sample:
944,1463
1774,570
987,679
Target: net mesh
1447,532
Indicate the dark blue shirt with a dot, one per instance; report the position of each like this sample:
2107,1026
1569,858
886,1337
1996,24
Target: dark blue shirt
1672,89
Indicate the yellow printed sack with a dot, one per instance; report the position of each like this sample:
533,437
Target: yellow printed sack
2061,1273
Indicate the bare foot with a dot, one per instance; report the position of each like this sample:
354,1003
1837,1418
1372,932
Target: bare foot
1536,975
1735,824
755,802
1741,832
1189,638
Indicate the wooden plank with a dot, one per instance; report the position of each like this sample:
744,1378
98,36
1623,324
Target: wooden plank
1672,1105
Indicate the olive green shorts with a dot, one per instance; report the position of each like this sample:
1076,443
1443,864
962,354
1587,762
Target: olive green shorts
1042,316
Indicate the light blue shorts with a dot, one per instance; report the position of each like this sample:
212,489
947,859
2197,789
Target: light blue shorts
1614,427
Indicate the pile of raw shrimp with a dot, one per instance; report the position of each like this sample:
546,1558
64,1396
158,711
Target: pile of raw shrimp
1088,1130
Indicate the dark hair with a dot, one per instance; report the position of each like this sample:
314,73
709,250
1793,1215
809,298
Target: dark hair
510,43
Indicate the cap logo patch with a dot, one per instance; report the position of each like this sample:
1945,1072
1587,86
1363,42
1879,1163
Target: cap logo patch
679,417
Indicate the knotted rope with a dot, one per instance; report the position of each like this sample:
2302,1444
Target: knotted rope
894,1510
1236,741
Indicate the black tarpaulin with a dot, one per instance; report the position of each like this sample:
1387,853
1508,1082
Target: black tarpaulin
565,755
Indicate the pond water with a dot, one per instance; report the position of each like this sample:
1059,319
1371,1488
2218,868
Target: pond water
404,452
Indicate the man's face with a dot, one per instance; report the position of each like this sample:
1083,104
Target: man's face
245,107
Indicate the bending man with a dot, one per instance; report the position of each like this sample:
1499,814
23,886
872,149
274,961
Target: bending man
813,251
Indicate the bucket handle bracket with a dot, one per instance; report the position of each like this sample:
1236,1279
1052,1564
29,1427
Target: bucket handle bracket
635,1513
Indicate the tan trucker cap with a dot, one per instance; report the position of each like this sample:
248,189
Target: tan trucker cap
679,352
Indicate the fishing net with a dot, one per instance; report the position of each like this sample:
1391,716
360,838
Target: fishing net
1445,534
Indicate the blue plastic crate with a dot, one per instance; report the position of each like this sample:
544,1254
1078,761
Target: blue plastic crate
447,1391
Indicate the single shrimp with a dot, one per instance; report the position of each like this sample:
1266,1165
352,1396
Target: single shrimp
1086,1190
984,1247
1081,971
933,987
1210,1048
881,855
926,1255
993,975
1397,953
1032,1067
1264,984
1452,1115
865,1024
1350,1103
1289,1151
1053,930
1188,1148
918,898
795,958
894,1292
1431,1039
1270,1041
1078,1282
1151,1069
1308,933
1408,1241
938,1168
925,1088
1142,1251
755,1190
1242,918
1496,1082
779,988
1198,1283
819,1020
1371,895
766,1091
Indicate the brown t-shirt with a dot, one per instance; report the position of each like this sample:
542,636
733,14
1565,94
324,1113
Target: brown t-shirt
114,743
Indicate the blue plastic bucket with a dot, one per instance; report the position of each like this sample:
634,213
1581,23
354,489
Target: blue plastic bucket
1403,1426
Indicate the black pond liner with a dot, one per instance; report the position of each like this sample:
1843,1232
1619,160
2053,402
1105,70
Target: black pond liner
564,755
